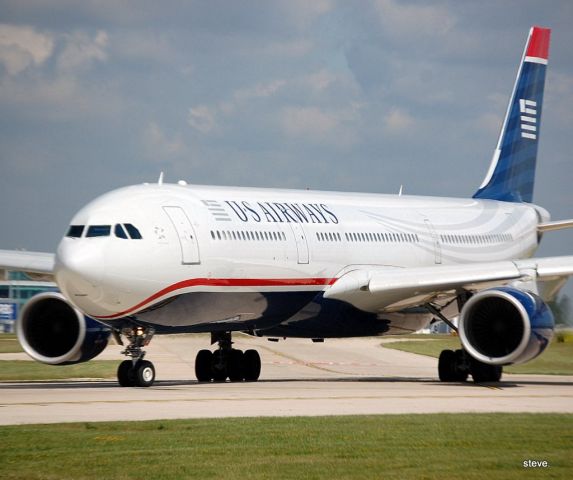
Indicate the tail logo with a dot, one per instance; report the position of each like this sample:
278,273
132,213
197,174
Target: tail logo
528,109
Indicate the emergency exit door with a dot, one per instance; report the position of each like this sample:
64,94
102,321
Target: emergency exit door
186,235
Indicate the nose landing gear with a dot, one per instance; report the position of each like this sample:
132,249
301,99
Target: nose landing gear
227,362
136,372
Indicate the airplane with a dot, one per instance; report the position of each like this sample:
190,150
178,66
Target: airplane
176,258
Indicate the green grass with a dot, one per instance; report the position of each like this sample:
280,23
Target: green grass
30,370
556,360
9,343
468,446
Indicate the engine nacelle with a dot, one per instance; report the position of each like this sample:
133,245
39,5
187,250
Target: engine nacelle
52,331
503,326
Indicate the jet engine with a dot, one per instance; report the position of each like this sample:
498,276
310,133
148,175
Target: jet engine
503,326
52,331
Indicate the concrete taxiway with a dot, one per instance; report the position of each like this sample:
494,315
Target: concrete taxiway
338,377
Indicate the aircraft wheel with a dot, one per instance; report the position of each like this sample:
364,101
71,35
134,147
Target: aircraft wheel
252,365
203,366
460,365
235,366
219,365
483,372
125,375
144,373
446,365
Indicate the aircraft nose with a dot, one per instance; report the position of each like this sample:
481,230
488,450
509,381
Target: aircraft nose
79,269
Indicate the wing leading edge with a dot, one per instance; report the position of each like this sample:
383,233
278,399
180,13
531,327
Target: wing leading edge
393,288
34,262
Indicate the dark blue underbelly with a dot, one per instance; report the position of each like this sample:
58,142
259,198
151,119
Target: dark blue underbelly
274,314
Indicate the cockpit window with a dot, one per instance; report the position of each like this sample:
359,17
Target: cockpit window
133,231
120,232
75,231
99,231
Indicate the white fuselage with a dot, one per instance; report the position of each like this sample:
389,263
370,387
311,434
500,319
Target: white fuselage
258,242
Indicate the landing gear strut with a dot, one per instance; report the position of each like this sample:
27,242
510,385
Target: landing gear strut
455,366
136,372
227,362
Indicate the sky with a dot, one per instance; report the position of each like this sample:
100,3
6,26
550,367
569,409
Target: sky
325,94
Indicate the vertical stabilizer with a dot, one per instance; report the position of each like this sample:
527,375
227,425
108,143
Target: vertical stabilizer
511,175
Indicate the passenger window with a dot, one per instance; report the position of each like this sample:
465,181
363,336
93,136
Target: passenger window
75,231
119,232
133,231
99,231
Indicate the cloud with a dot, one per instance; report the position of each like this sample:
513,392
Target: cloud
160,144
59,99
202,118
81,50
142,46
398,121
293,48
560,99
404,20
261,90
303,12
23,46
32,88
320,80
308,121
318,125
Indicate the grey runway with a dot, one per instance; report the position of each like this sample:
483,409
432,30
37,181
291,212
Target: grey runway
339,377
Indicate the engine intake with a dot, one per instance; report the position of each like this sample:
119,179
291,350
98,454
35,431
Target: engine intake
52,331
503,326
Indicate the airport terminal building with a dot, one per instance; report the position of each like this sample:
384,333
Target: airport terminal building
16,288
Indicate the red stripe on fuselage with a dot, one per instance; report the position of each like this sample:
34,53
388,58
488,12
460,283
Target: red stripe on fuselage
225,282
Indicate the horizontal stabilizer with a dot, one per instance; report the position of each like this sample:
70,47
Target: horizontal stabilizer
558,225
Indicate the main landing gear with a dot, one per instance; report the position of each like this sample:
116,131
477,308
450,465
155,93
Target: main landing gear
227,362
136,372
455,366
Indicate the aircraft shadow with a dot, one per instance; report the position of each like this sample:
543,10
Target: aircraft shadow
163,384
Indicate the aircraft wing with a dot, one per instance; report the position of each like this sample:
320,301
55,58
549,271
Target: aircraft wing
35,262
393,288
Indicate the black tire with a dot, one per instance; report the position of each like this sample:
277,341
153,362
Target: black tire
483,372
144,373
219,365
203,366
252,365
460,366
446,366
125,374
235,366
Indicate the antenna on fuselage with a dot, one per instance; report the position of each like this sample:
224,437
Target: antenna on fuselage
160,180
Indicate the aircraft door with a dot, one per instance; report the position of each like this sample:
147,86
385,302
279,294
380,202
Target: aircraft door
186,235
301,243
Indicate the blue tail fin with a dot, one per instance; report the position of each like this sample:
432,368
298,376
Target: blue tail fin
511,174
